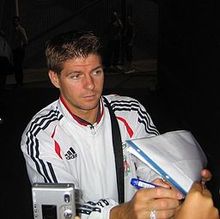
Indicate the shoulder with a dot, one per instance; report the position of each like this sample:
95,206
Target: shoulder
116,97
45,118
118,102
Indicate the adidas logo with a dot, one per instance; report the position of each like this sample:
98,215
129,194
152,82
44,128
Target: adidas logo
71,154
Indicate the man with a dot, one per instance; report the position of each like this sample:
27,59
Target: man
6,68
71,139
5,60
18,44
113,50
128,43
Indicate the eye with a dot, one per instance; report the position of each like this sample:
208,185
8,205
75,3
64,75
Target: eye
98,71
75,76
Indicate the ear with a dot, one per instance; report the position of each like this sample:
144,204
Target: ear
54,78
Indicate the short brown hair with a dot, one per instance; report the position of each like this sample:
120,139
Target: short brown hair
70,45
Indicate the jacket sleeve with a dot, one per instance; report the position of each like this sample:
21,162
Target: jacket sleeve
96,210
144,125
44,165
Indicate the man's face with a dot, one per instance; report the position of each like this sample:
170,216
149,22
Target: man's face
80,83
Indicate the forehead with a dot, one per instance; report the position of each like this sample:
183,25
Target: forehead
91,61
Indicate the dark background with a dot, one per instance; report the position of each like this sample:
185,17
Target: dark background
182,35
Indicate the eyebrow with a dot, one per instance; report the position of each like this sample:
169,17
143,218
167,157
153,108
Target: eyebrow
100,66
78,72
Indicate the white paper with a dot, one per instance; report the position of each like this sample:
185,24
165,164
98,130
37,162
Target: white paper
176,156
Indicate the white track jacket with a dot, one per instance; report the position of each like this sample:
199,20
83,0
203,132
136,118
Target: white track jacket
59,147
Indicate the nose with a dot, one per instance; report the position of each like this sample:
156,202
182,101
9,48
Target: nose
89,83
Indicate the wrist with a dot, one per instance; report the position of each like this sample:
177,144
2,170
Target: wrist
119,211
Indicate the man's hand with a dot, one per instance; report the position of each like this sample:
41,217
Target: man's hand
163,201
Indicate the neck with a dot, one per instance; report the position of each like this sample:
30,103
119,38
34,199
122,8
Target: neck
87,116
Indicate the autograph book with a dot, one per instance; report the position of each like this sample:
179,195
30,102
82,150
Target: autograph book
176,156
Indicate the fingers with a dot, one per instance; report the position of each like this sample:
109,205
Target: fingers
159,214
199,187
162,202
206,175
167,185
196,186
160,192
161,208
207,193
162,183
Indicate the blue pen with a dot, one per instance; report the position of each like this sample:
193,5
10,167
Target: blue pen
138,184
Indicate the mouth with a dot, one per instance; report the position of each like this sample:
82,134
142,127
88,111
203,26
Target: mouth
90,97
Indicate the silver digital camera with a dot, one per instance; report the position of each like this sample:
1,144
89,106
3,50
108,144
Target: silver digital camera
53,201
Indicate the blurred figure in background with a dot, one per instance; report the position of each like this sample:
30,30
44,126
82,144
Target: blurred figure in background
5,60
128,42
113,52
5,69
18,44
